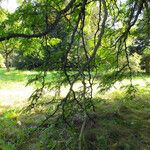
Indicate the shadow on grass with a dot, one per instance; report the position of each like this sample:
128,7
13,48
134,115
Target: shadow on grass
119,124
122,124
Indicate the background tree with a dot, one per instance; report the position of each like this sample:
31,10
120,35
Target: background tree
8,49
141,39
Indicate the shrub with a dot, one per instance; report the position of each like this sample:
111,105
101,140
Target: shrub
134,62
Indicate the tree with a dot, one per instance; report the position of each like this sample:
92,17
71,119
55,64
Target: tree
7,50
1,61
141,39
89,46
8,47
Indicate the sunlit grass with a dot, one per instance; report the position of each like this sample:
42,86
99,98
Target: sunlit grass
14,92
15,96
15,75
119,117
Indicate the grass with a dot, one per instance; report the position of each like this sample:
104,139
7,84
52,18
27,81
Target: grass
13,92
13,89
121,123
15,75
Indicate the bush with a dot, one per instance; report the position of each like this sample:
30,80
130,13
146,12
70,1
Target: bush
145,63
134,63
27,62
135,60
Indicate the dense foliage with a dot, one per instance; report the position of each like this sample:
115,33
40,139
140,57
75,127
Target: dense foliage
85,42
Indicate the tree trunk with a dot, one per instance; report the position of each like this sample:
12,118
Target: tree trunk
7,63
147,64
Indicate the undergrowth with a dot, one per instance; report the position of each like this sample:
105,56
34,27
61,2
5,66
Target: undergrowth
118,123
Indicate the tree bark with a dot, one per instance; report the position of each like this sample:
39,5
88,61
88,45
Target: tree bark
147,64
7,63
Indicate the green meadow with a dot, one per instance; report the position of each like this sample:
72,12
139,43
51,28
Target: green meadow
120,121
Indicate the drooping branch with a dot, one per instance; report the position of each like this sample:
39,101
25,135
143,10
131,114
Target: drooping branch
47,30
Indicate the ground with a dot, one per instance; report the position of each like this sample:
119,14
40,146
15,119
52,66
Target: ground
121,123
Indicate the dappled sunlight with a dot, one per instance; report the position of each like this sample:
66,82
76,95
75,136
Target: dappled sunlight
126,82
29,72
119,89
16,94
15,97
65,89
118,86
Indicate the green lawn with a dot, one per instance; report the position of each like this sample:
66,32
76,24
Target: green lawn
13,89
13,92
121,123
